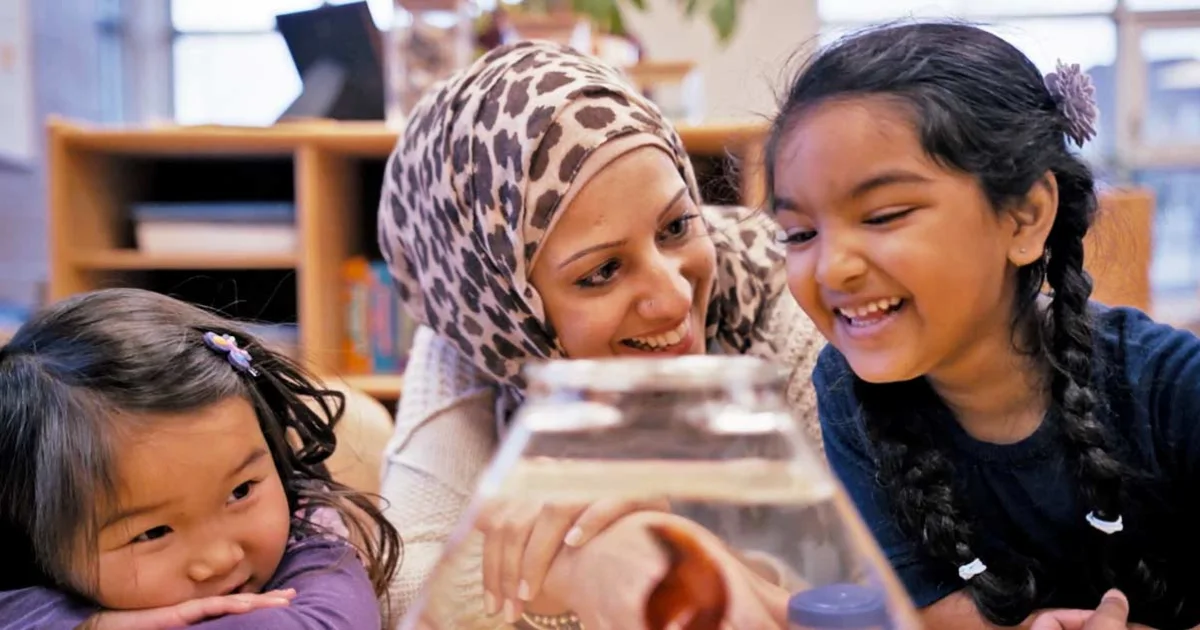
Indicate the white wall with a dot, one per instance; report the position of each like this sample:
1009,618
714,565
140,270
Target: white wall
741,78
66,81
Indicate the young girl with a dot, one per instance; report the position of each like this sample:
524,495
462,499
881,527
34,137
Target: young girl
156,460
1013,449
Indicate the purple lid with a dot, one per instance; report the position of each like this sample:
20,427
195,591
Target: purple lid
838,606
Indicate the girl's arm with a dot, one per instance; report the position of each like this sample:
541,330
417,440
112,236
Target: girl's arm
957,612
50,609
333,592
42,608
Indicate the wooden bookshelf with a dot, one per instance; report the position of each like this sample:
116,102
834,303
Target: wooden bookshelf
331,171
117,259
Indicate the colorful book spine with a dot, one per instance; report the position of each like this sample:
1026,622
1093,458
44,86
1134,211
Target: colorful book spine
356,345
378,331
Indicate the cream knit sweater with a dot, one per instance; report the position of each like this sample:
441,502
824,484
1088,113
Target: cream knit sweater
446,434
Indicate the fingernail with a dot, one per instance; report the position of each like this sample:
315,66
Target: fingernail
1114,595
523,591
573,537
489,601
510,611
282,601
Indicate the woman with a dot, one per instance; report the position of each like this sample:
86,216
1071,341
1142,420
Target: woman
539,207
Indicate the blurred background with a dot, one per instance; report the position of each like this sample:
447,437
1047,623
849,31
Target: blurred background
154,68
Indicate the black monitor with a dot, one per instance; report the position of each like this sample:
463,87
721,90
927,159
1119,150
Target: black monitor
338,52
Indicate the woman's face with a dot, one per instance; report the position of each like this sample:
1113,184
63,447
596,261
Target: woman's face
628,268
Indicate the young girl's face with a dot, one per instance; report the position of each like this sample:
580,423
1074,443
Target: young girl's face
901,263
200,510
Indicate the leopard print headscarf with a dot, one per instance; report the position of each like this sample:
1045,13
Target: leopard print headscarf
475,182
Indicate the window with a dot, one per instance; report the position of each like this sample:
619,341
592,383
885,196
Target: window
232,78
1171,91
864,11
1149,137
232,15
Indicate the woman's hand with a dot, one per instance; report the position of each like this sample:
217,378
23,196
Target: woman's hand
522,539
607,582
1112,614
187,613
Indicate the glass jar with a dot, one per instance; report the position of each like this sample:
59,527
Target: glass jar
428,41
713,436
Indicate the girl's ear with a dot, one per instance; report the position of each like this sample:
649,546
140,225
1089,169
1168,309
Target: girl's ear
1031,220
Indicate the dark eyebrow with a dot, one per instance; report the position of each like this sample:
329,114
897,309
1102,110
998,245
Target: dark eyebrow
875,182
671,204
250,460
886,178
139,510
131,512
599,246
784,204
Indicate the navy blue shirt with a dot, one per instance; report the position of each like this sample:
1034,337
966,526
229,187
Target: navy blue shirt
1022,498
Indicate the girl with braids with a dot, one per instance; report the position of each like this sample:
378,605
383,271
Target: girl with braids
159,467
1014,449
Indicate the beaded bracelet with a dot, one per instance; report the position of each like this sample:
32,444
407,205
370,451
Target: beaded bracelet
566,621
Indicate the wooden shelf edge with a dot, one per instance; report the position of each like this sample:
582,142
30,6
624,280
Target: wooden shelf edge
369,139
132,259
383,387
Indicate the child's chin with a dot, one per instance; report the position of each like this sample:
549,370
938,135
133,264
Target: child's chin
878,370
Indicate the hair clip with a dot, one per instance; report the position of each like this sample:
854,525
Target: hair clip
1075,95
228,346
1108,527
971,569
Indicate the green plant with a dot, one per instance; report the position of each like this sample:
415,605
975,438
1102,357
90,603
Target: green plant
722,14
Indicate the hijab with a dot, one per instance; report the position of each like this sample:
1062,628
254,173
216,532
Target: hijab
488,161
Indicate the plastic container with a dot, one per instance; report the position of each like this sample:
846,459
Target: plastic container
712,435
839,607
429,40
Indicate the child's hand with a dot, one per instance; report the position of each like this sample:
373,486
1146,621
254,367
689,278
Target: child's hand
187,613
1112,614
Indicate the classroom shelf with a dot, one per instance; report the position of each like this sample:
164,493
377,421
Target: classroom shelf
332,171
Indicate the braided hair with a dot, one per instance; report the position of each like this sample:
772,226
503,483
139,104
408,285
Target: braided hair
981,107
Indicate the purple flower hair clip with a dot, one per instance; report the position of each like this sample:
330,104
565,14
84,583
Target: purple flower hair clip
228,346
1075,95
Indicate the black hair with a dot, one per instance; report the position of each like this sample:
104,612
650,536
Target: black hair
78,366
981,107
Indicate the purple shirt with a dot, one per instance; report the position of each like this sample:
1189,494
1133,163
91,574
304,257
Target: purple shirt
332,593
